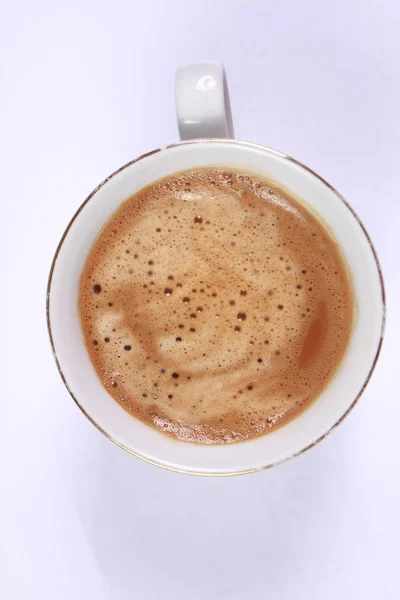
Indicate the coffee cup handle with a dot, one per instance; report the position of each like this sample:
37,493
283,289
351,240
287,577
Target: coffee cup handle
203,108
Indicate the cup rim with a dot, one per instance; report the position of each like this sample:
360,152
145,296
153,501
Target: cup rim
281,155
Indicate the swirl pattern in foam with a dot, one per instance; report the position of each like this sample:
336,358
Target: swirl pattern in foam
214,306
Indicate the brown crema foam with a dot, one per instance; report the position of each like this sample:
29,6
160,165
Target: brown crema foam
214,306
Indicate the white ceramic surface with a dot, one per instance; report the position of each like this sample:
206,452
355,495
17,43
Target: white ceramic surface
63,319
203,108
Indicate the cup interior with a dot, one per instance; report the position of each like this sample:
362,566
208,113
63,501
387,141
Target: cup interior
142,440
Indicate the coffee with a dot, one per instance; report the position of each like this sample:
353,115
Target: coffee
215,307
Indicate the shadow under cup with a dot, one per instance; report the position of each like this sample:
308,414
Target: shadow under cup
314,423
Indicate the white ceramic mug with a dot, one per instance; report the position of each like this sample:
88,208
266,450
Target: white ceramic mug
203,112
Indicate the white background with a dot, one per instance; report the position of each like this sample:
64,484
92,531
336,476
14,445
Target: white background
85,87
